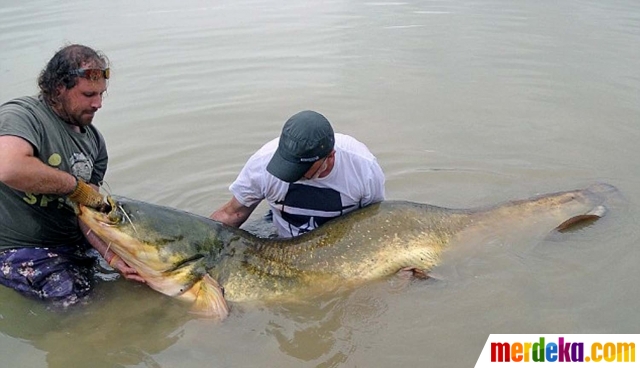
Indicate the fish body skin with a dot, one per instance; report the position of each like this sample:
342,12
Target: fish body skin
174,251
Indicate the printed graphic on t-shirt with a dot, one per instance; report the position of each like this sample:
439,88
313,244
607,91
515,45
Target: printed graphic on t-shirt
81,166
306,207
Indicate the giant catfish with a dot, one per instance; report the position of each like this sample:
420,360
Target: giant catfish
207,263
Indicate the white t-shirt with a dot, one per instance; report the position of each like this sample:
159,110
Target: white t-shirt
355,181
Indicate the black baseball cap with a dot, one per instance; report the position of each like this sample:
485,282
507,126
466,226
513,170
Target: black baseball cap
306,138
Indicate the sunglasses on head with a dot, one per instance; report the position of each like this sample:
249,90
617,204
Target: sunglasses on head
92,74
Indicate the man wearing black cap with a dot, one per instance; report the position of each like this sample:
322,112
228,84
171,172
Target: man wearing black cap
309,175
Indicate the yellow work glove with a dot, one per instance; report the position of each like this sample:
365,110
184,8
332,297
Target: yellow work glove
86,195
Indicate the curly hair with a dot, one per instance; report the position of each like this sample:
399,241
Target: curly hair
58,74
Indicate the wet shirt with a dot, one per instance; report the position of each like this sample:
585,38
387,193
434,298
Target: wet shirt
355,181
33,219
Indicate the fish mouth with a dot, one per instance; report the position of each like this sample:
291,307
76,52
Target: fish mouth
170,274
116,231
108,216
105,228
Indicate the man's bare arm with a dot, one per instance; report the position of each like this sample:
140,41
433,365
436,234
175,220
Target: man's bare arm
21,170
233,213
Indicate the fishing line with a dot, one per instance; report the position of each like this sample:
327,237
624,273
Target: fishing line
124,213
107,189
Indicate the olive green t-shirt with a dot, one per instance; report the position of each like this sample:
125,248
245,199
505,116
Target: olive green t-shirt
46,220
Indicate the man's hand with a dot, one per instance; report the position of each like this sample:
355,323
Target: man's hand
84,194
117,263
112,259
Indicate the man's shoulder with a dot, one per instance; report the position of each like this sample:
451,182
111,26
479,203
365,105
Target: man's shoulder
353,147
22,111
270,146
23,102
265,152
27,107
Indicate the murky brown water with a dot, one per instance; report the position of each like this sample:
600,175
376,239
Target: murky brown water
464,102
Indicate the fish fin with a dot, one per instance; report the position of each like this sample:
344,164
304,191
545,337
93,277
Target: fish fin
209,299
403,277
410,272
596,213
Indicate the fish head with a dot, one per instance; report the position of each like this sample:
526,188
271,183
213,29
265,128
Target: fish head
158,242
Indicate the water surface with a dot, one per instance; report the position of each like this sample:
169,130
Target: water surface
465,103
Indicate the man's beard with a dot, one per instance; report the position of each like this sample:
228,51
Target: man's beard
69,117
